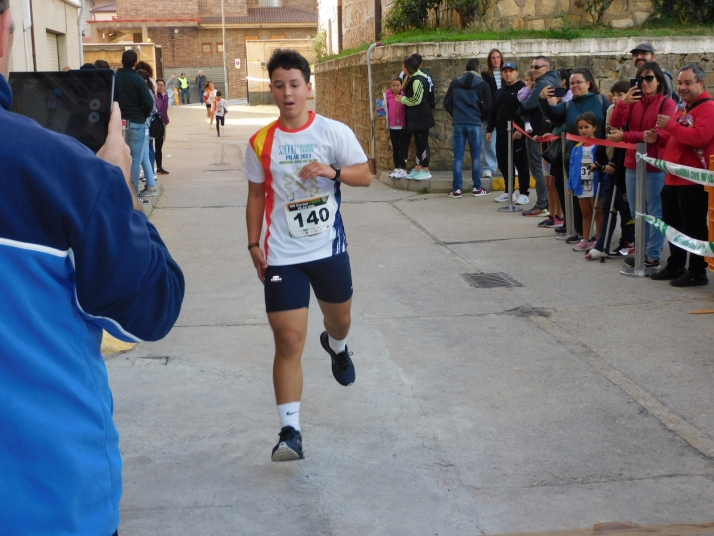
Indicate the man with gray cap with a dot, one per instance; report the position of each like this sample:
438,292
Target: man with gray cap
645,53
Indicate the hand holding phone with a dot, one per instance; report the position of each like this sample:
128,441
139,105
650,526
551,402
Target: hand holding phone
560,92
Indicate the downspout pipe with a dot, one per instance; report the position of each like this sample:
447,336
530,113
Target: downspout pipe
372,159
80,24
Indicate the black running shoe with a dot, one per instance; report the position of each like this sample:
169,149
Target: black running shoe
342,368
667,273
561,230
649,263
688,279
289,446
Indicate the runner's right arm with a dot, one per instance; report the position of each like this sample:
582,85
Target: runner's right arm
255,209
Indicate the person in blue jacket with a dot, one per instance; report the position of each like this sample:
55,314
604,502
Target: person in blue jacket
77,256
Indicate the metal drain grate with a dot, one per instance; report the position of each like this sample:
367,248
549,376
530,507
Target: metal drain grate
491,280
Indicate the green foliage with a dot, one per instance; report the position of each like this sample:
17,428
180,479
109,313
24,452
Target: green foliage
407,15
318,44
471,10
595,8
686,11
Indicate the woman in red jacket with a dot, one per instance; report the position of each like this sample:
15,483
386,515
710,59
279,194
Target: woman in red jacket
637,113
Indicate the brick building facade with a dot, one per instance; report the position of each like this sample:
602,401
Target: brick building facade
189,33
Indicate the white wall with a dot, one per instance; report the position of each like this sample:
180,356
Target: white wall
327,11
59,16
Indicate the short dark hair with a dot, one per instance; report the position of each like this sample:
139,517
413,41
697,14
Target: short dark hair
88,67
621,86
102,64
397,79
412,64
219,94
473,65
4,6
588,76
699,73
128,59
146,67
653,66
283,58
418,58
588,117
544,58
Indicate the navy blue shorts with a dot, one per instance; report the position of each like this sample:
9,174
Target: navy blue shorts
288,287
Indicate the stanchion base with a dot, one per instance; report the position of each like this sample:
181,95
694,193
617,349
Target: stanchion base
631,272
512,208
561,237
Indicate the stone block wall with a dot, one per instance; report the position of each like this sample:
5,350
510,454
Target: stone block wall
343,93
358,16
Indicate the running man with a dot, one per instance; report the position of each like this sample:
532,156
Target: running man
295,167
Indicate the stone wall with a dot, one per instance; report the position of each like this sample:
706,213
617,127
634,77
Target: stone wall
358,16
343,94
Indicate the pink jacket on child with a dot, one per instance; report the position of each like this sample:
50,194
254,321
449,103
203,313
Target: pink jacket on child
396,111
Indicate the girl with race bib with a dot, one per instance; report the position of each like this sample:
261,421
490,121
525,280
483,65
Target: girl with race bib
586,163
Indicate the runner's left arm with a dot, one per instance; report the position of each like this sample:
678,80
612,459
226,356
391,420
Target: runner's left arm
255,209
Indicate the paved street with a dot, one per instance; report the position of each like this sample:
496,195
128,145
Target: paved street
580,397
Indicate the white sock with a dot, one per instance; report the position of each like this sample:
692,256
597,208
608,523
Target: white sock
289,415
337,346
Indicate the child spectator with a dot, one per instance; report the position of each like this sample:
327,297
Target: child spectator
397,120
614,183
209,94
523,95
586,161
219,110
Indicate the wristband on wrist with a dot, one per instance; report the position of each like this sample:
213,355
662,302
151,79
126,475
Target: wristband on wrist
253,245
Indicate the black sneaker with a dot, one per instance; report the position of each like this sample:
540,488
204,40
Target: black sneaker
667,273
630,261
688,279
289,446
342,368
561,230
573,239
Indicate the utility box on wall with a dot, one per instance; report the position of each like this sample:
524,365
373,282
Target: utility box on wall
258,54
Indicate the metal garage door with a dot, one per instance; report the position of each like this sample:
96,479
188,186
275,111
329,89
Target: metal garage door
213,74
52,52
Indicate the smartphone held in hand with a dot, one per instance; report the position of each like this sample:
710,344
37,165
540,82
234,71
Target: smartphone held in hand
76,103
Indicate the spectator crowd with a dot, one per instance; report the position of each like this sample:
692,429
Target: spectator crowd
672,113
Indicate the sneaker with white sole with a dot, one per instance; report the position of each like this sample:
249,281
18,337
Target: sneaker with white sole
342,367
422,176
503,198
393,173
289,446
522,200
454,194
486,174
478,192
400,173
412,173
581,246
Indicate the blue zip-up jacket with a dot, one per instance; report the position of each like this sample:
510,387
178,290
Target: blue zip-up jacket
468,99
75,257
576,160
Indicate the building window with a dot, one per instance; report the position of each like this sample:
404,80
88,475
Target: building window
270,3
219,47
206,48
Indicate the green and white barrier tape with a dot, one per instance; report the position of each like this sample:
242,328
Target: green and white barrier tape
696,175
698,247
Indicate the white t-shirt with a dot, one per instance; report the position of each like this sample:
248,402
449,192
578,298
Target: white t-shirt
220,107
303,218
211,96
586,176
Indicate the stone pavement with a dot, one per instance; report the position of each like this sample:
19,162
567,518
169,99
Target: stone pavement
579,397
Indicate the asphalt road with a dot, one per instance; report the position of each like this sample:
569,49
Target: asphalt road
579,397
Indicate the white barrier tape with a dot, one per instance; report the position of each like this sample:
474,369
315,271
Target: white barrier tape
696,175
698,247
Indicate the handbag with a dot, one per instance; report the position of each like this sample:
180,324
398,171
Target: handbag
553,152
157,127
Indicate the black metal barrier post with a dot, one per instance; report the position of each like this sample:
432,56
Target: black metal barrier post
509,185
639,269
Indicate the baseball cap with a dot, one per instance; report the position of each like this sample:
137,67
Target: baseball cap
643,47
509,65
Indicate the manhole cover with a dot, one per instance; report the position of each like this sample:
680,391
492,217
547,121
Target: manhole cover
491,280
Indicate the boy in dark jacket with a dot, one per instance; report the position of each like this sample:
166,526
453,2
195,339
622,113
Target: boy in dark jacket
468,101
505,109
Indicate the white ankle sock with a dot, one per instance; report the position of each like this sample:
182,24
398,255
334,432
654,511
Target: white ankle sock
337,346
289,415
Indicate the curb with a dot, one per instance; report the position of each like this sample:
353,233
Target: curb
148,208
440,183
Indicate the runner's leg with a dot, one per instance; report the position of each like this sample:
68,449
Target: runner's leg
289,332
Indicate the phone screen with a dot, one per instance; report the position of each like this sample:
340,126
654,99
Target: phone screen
75,103
636,82
560,92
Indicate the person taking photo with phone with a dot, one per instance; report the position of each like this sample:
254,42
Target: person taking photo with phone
632,117
77,256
